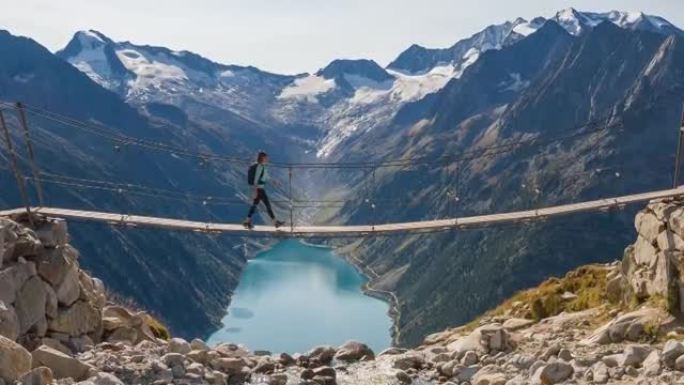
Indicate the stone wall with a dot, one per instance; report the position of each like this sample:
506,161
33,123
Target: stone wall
44,297
653,267
50,309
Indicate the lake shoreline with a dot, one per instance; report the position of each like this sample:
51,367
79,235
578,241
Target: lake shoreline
372,331
389,297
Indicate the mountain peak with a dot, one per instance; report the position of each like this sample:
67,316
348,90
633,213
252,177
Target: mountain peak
92,35
361,67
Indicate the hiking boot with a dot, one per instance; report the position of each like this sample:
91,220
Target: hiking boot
248,224
278,224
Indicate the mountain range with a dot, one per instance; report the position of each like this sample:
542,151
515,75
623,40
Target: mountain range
517,82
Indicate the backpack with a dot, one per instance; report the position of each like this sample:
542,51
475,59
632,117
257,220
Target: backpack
251,174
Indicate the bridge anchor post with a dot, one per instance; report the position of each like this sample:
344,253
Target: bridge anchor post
678,158
21,182
21,112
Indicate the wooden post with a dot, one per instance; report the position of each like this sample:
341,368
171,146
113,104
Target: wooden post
678,159
291,202
15,167
29,148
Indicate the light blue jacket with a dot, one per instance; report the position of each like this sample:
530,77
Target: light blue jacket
261,179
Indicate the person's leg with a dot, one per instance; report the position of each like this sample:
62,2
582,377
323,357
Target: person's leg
255,203
264,198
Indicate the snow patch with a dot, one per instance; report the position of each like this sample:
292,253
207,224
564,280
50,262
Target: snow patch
516,83
307,88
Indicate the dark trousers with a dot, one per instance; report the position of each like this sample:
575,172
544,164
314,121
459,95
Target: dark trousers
261,197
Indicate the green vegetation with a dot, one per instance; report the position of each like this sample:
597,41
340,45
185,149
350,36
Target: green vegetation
586,284
158,328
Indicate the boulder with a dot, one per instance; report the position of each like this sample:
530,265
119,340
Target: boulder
200,356
80,344
629,326
490,338
648,225
55,344
9,322
651,365
92,290
470,358
325,371
285,359
553,373
354,351
37,376
634,355
13,278
489,375
15,361
198,344
54,264
26,244
173,359
51,302
103,378
8,239
676,221
118,317
324,354
264,366
671,351
229,365
81,318
179,345
62,365
667,240
513,324
408,361
69,290
53,233
124,334
30,304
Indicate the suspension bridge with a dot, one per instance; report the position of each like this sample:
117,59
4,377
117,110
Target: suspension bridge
294,229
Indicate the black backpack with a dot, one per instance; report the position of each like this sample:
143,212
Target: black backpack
251,174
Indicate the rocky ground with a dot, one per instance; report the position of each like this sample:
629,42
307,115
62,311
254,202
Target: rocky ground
601,324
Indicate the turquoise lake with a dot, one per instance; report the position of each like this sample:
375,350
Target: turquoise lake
296,296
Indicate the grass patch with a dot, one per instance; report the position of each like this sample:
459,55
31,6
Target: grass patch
158,328
586,283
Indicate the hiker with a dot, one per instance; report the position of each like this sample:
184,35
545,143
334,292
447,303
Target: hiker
257,177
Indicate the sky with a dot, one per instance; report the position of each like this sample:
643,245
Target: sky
291,36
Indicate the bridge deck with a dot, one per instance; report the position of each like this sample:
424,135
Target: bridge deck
332,231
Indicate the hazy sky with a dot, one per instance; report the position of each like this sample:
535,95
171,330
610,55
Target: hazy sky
290,36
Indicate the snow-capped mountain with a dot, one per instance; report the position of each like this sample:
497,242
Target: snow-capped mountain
417,59
577,22
144,74
340,101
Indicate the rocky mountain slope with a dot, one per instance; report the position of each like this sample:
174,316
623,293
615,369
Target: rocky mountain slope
521,80
620,129
618,323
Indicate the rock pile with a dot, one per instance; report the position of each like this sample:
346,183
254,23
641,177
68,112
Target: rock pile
52,308
654,265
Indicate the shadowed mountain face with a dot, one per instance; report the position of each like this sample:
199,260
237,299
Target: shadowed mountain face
554,82
630,81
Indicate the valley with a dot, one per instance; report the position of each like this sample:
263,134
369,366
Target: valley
440,110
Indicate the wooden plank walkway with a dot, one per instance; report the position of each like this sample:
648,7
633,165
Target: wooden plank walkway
360,230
